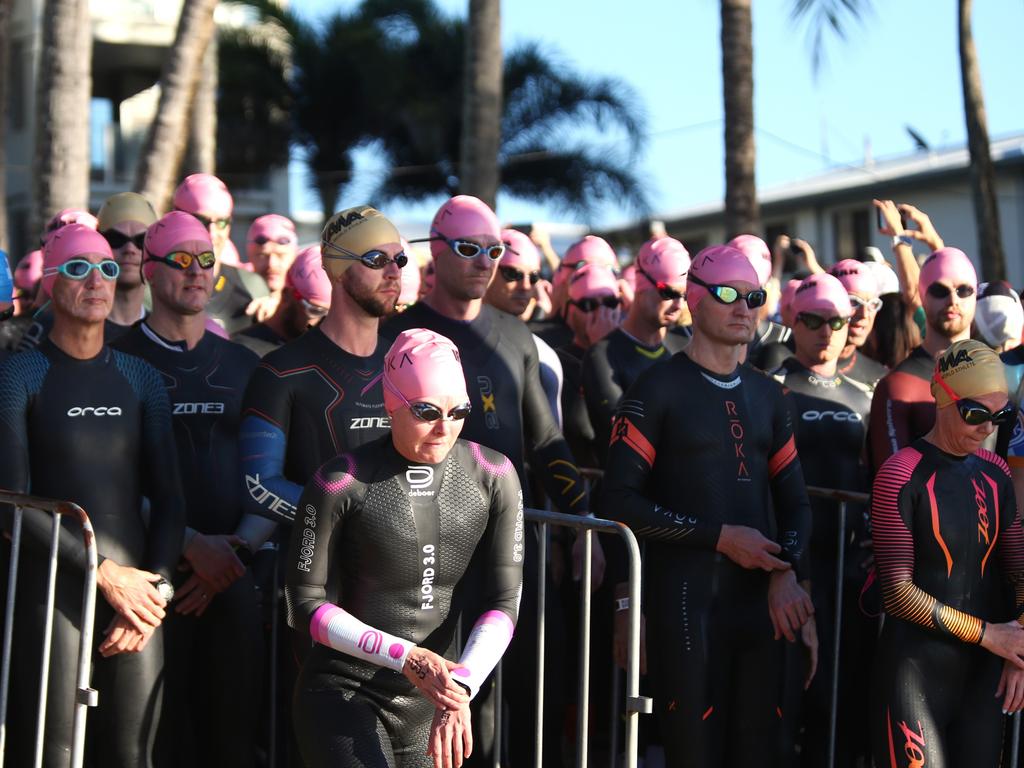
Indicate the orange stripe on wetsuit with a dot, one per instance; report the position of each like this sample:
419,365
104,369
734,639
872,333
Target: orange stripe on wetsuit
782,458
625,430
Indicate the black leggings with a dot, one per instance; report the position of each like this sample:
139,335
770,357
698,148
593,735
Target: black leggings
121,728
933,701
717,685
371,719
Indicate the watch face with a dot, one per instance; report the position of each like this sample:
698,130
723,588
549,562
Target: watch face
165,589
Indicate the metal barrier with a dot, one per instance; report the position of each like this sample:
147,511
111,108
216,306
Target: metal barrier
634,703
85,696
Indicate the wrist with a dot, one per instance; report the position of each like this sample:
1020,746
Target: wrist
901,239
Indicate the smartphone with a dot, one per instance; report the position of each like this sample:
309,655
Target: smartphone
882,223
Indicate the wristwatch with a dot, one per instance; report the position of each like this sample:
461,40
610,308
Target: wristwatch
902,240
163,586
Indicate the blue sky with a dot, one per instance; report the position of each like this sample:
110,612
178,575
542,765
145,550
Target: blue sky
898,66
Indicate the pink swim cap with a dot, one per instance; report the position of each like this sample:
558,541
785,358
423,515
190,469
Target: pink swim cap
592,280
462,216
950,264
716,265
410,278
279,229
69,216
786,300
205,194
856,278
590,250
662,260
822,293
307,277
757,250
29,271
67,242
420,365
519,250
172,231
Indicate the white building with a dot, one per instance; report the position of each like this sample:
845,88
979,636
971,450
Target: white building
833,212
130,41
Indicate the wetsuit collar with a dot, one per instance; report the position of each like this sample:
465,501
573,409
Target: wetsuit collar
156,338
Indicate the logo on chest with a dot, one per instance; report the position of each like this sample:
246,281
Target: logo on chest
737,433
487,400
102,410
420,480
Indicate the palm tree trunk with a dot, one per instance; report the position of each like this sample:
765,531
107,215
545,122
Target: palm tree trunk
482,102
60,178
164,148
983,177
6,7
202,144
742,211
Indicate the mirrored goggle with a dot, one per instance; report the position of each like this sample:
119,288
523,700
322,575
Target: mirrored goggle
590,303
372,259
814,322
666,291
871,305
79,269
214,223
263,240
183,259
117,239
429,412
726,294
940,291
974,413
513,275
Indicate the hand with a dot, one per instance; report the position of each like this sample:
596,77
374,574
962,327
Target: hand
262,308
601,322
809,637
123,637
620,636
789,605
429,673
131,593
451,737
1006,640
748,548
891,216
808,253
1011,682
779,249
597,562
925,231
214,560
194,596
627,293
543,297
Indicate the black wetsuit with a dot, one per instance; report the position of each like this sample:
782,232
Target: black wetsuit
862,369
691,451
369,522
768,333
511,415
95,432
576,426
213,661
775,354
39,329
233,291
950,554
831,417
609,368
259,338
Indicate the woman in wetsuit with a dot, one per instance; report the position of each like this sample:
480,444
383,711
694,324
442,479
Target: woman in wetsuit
392,543
950,554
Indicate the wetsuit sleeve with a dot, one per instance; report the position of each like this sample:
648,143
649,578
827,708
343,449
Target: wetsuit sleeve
891,515
789,493
330,494
503,541
888,425
602,394
162,478
1010,544
636,434
558,472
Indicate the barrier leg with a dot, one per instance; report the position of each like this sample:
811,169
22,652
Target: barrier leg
837,629
44,672
274,633
85,695
542,558
5,670
616,714
1015,740
583,694
499,713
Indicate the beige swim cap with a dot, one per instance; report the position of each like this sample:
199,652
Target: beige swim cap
350,233
125,206
966,370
